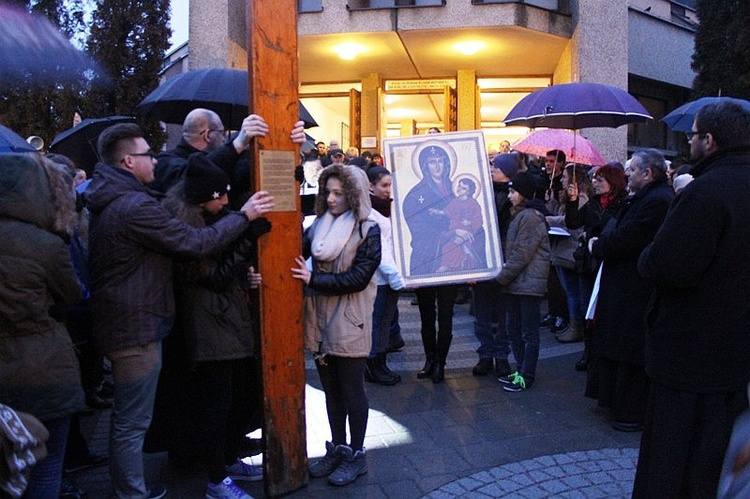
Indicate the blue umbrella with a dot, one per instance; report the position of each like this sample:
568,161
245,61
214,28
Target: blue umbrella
10,141
681,119
222,90
577,105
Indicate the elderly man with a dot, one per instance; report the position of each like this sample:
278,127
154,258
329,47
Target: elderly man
132,241
697,341
617,377
203,130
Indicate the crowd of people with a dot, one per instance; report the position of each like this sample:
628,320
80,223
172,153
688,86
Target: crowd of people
149,264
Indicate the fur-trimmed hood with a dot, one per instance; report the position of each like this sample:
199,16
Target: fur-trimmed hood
356,185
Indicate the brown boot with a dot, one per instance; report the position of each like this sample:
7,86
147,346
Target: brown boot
574,332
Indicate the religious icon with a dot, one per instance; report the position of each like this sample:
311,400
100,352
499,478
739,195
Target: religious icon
444,218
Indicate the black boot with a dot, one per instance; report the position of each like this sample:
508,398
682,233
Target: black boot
583,362
383,362
438,371
429,366
374,373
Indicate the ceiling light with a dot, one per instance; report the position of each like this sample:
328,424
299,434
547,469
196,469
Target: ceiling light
469,48
348,50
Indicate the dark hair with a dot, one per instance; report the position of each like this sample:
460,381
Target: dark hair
727,121
109,142
615,177
375,173
558,154
653,160
472,186
366,154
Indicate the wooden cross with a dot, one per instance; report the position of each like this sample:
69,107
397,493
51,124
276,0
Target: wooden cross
272,87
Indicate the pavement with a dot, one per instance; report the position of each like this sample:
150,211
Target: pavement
465,437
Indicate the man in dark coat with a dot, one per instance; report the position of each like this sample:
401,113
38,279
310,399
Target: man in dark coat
203,130
131,244
698,339
618,378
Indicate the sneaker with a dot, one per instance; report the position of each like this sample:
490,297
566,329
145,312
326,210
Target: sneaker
502,368
244,472
509,379
227,489
483,367
327,464
157,491
547,320
519,384
352,465
560,325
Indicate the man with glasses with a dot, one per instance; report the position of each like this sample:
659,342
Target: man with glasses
132,242
203,130
697,339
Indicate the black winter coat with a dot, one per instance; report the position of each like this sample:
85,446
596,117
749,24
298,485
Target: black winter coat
620,327
699,320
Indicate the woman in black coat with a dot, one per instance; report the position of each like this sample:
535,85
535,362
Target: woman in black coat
610,191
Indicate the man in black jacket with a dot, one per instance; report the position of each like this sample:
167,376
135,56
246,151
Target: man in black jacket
698,323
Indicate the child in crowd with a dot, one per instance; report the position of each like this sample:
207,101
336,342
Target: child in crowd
524,278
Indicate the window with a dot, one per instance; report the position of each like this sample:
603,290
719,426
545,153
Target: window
309,5
391,4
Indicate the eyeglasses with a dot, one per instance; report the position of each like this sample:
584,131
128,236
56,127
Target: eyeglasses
692,134
148,153
220,130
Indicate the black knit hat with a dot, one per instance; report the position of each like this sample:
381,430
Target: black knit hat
524,184
204,181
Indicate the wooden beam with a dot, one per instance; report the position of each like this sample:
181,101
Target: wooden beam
272,87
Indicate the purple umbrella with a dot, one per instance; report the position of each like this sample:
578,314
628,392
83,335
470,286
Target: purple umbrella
577,105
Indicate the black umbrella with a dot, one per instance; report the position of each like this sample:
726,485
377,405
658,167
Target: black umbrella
221,90
79,143
10,141
34,52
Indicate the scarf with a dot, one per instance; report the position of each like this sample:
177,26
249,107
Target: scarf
382,206
605,199
331,235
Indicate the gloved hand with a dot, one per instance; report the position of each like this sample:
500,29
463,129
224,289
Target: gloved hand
258,227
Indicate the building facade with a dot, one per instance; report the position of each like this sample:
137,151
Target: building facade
370,69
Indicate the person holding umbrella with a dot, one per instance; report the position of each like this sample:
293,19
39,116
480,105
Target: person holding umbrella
203,131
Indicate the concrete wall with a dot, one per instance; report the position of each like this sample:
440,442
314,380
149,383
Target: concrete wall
660,50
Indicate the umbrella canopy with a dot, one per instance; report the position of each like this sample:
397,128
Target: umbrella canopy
577,105
681,119
576,148
10,141
33,51
79,143
221,90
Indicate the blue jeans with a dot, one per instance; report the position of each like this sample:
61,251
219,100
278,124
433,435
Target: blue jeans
578,289
386,302
490,321
523,329
135,372
46,476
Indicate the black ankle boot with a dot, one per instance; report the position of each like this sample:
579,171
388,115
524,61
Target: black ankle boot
377,374
426,372
438,372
